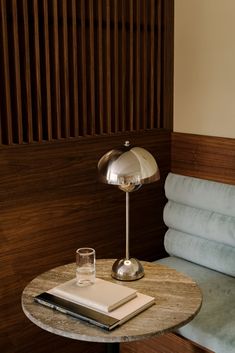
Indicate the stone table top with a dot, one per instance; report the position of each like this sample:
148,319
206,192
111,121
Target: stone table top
178,300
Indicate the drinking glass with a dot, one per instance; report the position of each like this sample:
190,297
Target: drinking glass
85,271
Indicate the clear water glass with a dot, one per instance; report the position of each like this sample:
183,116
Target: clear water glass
85,270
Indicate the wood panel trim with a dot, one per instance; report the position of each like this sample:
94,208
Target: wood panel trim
205,157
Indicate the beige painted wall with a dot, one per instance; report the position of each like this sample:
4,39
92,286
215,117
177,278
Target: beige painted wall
204,82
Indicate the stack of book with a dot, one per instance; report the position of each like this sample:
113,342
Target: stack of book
103,303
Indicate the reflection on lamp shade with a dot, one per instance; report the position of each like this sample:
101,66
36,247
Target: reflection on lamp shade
128,166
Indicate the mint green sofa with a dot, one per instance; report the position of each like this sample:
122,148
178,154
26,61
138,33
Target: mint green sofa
200,241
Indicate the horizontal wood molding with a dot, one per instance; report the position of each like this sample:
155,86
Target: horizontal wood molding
51,203
205,157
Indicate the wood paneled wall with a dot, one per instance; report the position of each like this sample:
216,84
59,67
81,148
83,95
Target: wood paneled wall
78,77
205,157
75,68
52,203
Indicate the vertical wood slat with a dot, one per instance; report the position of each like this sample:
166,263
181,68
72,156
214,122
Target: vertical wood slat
84,77
38,71
123,49
137,73
75,67
56,59
30,136
8,136
100,69
17,72
1,130
116,65
167,20
131,102
159,66
152,63
131,36
144,70
0,127
65,72
47,71
92,67
108,68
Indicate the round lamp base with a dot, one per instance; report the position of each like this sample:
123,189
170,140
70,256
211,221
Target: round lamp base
127,270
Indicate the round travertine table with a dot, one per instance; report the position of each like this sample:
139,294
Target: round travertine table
178,300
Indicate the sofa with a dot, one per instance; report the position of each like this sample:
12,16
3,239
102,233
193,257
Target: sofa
200,241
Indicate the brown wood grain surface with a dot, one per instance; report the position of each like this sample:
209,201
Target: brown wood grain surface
82,68
51,203
66,73
205,157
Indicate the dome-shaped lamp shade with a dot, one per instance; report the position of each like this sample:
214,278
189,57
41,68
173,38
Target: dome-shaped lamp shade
128,167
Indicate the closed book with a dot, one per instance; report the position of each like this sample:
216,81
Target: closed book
102,295
104,320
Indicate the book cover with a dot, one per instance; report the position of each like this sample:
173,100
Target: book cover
102,295
105,320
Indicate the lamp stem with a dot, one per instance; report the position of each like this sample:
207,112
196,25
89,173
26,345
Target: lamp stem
127,226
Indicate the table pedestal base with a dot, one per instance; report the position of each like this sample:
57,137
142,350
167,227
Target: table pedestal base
112,347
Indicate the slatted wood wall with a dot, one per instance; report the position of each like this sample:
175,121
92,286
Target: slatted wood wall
73,68
77,78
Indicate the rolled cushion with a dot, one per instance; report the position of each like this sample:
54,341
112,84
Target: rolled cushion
204,223
201,193
201,251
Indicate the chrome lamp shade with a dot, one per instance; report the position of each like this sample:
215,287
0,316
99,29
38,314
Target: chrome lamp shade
128,168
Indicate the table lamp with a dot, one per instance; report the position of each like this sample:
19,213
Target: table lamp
128,167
